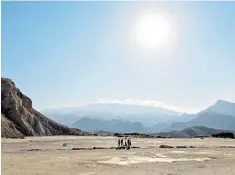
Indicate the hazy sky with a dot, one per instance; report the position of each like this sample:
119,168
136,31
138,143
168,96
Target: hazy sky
70,53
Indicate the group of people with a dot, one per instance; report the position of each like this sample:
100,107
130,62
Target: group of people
124,143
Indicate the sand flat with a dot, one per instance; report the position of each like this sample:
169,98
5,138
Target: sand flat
46,155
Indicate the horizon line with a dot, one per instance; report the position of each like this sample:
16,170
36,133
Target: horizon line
147,103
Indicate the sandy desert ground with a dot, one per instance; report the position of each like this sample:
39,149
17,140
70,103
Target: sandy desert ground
46,155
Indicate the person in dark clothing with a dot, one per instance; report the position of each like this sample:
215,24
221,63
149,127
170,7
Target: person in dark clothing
122,143
129,142
125,144
128,146
119,142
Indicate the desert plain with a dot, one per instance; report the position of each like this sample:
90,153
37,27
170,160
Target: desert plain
48,156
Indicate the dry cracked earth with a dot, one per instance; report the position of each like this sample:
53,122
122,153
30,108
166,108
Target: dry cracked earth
47,156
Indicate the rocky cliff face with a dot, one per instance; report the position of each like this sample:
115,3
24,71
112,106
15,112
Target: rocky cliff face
19,119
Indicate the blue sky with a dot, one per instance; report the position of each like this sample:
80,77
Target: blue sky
71,53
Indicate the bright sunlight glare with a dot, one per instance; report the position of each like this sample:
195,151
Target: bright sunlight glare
152,31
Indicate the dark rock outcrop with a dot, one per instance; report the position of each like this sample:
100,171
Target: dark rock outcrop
19,119
165,146
224,135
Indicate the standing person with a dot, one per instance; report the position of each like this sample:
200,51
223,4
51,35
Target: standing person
119,143
125,143
122,142
130,142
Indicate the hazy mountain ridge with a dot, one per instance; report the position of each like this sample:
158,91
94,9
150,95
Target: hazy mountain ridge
113,125
147,115
150,119
221,115
20,119
221,107
117,125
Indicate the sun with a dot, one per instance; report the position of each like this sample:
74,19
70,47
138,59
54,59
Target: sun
152,30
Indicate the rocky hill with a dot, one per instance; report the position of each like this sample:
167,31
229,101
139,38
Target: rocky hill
114,125
221,107
208,119
19,119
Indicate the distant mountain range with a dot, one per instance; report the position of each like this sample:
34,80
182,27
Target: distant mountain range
19,119
136,118
147,115
221,115
210,120
114,125
207,119
190,132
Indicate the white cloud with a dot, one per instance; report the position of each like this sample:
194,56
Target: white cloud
130,101
153,103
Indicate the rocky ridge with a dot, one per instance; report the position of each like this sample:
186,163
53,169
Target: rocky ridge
19,118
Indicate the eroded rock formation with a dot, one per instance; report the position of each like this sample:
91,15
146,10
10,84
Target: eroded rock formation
19,119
